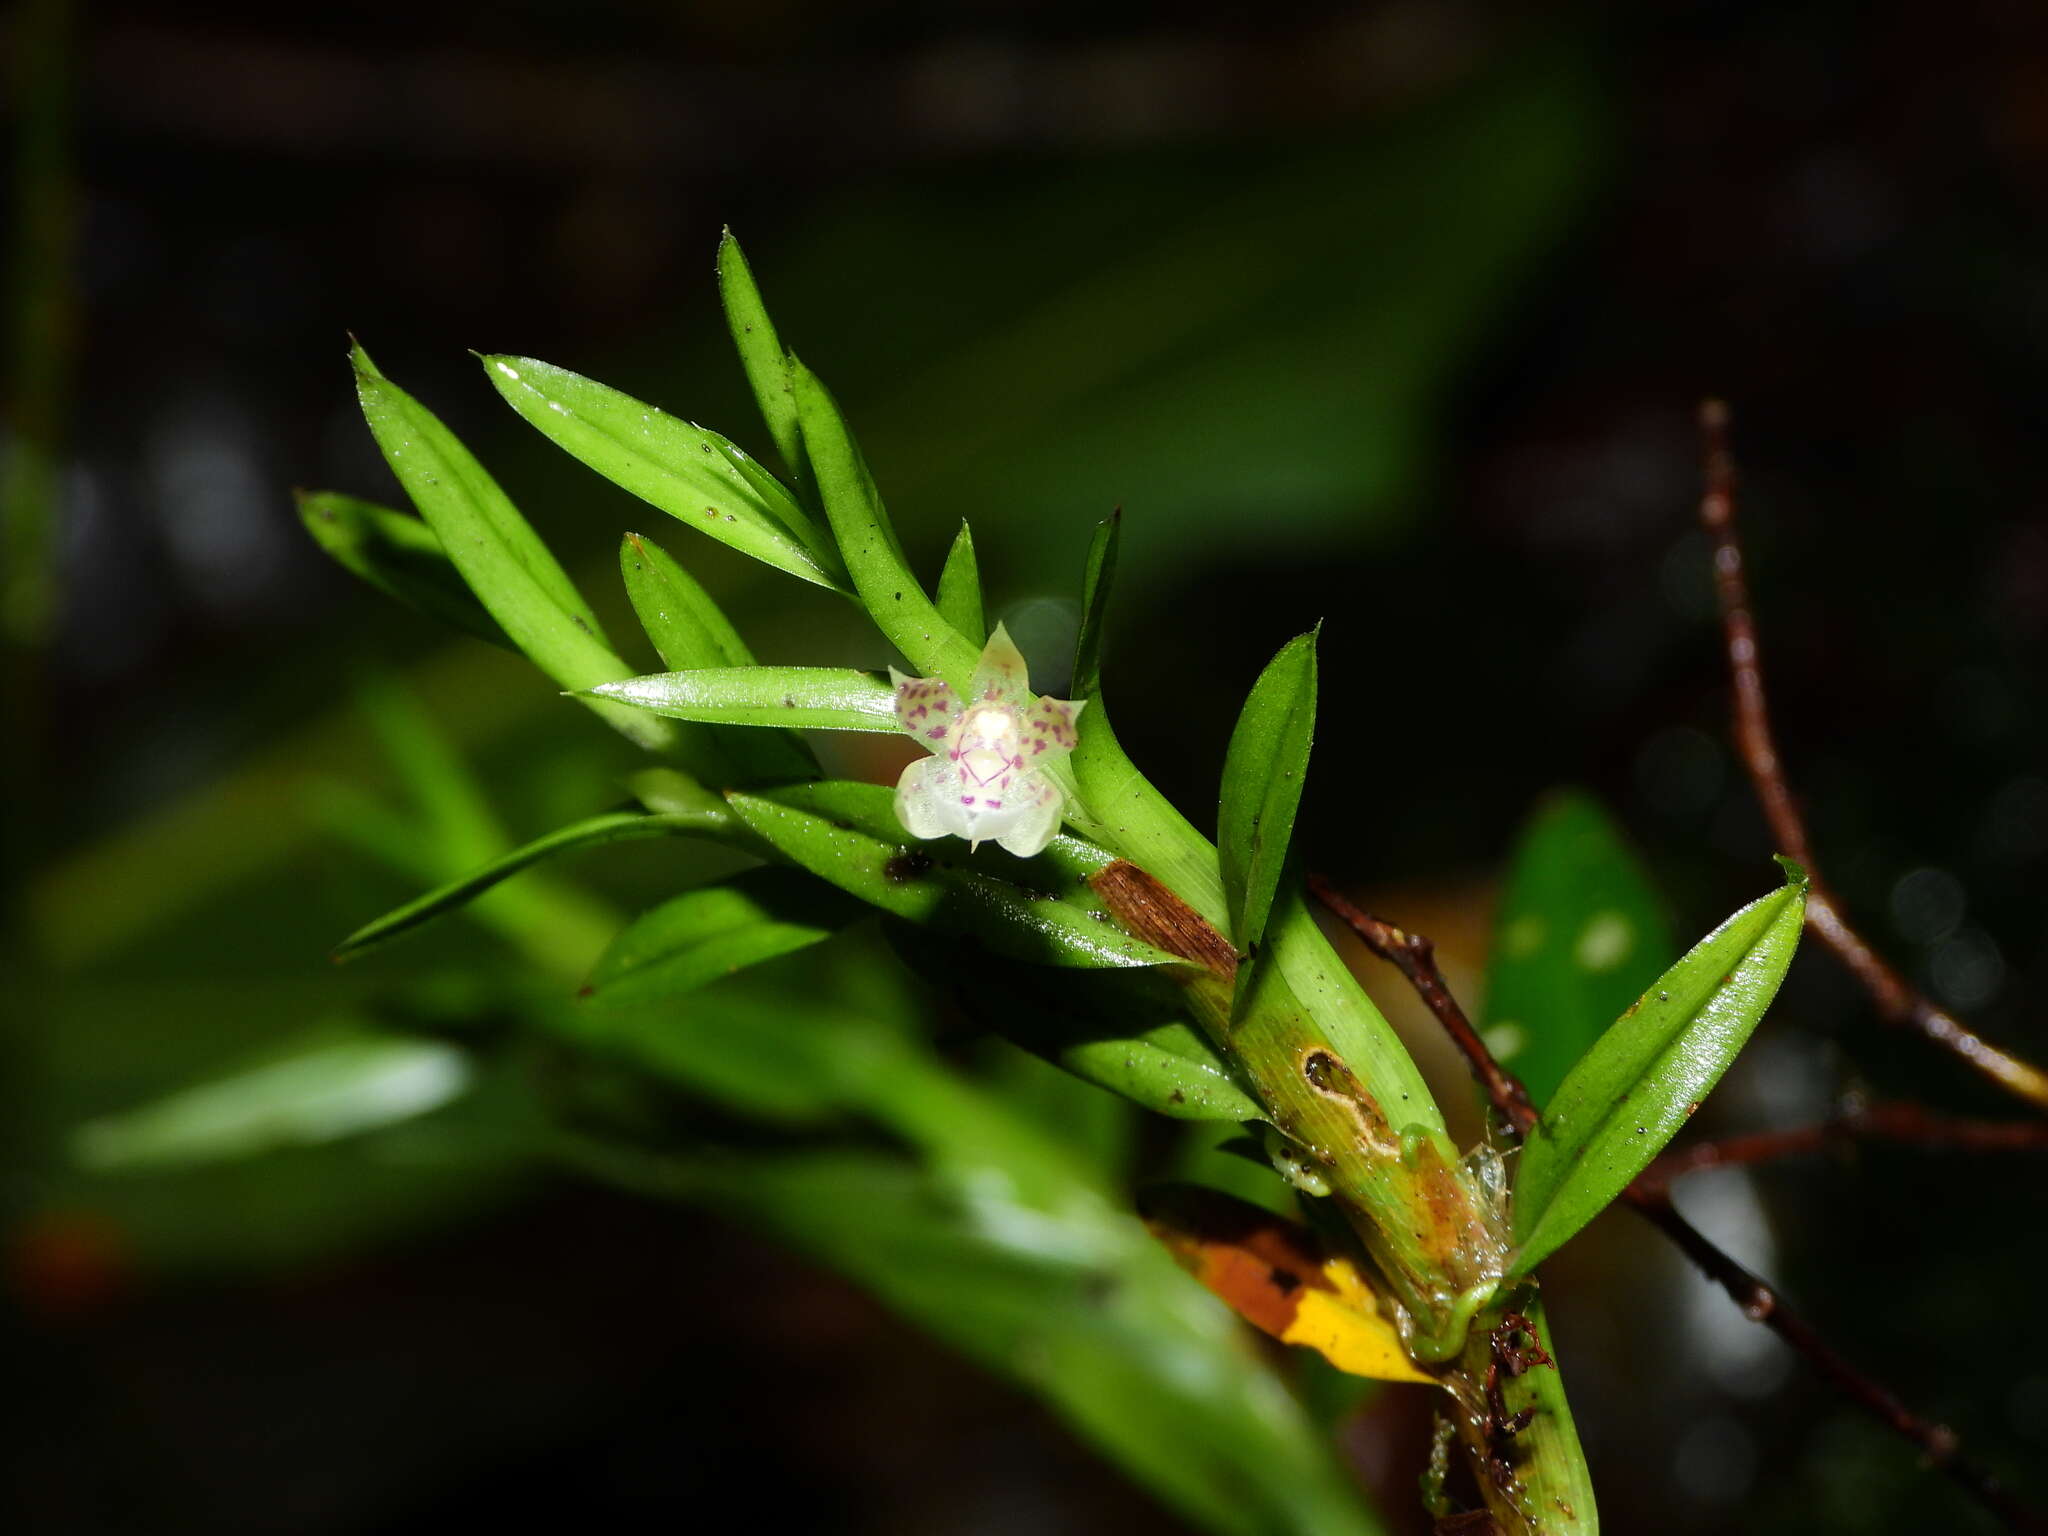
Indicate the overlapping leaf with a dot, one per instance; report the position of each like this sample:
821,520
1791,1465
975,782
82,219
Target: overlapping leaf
887,586
690,630
693,474
615,827
499,555
398,555
1037,909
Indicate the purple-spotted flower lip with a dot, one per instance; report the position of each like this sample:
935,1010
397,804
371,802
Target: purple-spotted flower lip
986,778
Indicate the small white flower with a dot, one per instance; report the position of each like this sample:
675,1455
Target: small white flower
986,780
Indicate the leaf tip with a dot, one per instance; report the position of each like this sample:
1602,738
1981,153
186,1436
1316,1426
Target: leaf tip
1795,872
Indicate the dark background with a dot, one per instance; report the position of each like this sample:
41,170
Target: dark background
1391,315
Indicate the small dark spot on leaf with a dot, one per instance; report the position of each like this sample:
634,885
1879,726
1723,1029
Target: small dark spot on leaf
1175,1097
907,865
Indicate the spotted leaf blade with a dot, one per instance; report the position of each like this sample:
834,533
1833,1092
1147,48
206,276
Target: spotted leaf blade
848,834
696,476
810,698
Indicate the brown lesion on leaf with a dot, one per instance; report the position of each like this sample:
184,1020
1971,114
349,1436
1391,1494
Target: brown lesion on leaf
1326,1073
1149,911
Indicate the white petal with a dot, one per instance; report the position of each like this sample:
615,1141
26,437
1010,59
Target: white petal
925,800
999,675
925,708
1034,817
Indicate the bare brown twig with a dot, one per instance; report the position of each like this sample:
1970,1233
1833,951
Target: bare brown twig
1898,1001
1911,1124
1415,957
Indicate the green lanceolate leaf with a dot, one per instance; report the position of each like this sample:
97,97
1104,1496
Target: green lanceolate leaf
324,1088
1027,909
814,698
616,827
1262,778
888,588
1118,805
1095,588
1640,1082
692,474
693,939
1121,1030
690,630
399,556
508,568
1580,934
960,590
761,354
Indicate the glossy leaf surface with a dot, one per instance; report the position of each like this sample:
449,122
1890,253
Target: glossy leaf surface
1028,909
1641,1081
1262,781
814,698
761,354
694,475
499,555
1121,1030
887,586
689,629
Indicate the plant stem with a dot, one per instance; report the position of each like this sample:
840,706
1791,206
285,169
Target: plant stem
1898,1001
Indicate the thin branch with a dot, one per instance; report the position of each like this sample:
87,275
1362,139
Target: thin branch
1415,957
1898,1001
1906,1123
1937,1442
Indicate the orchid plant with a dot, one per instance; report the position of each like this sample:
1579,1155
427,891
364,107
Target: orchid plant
1103,931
